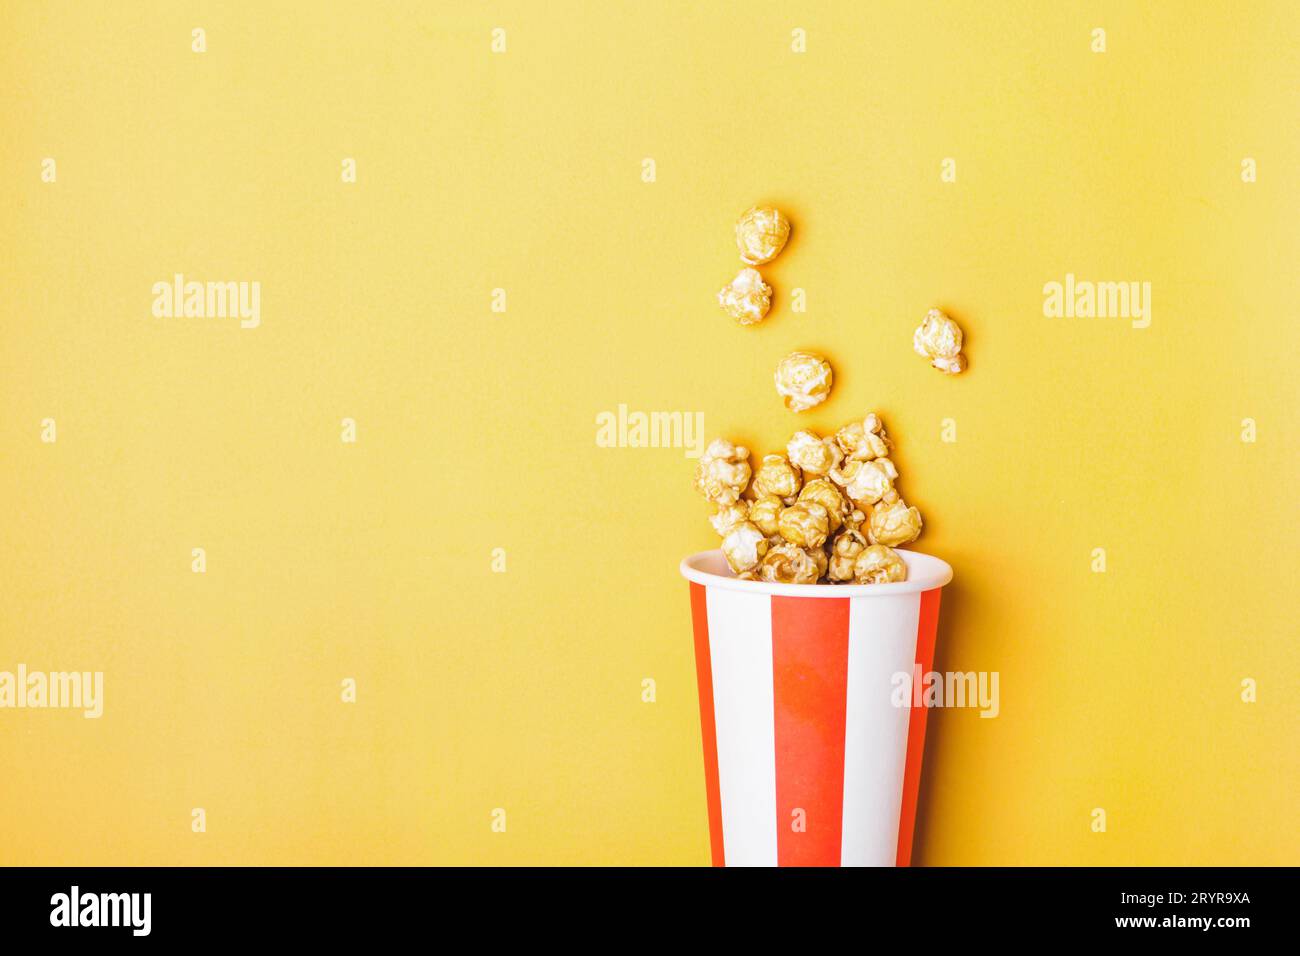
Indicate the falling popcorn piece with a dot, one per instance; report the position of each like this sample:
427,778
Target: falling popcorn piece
746,298
938,338
761,234
803,380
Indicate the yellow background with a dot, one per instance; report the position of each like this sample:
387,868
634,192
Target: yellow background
476,430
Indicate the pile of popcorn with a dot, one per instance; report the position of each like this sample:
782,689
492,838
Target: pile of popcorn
826,511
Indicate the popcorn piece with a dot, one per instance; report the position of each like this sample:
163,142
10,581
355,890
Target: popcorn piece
765,512
820,559
847,546
723,471
856,519
747,298
879,565
744,547
938,338
777,477
728,516
761,233
867,482
893,524
789,564
816,456
824,493
805,523
850,438
862,441
803,380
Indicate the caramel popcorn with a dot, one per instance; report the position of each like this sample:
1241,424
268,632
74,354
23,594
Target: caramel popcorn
761,233
723,471
866,482
893,524
805,523
864,440
744,547
728,516
846,547
827,510
829,497
837,526
803,380
765,512
777,477
746,298
879,565
816,456
938,338
820,559
788,564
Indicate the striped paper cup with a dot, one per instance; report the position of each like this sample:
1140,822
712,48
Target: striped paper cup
808,761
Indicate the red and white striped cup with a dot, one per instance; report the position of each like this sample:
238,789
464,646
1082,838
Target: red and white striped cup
809,760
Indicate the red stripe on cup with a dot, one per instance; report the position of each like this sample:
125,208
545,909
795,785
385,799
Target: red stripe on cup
927,625
708,728
810,658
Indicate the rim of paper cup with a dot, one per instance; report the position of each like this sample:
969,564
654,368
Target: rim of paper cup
925,572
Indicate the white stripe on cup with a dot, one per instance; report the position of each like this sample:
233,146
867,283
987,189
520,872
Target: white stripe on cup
882,642
740,647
